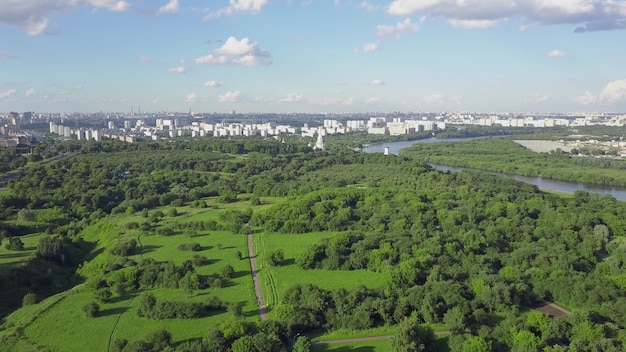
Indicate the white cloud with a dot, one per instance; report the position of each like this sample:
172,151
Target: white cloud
7,93
213,84
229,97
242,52
177,70
589,15
367,48
433,99
613,92
170,7
473,24
252,6
396,30
586,98
32,15
191,98
556,53
368,7
371,100
377,82
30,92
542,98
291,98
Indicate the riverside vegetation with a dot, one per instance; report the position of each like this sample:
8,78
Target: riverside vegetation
138,247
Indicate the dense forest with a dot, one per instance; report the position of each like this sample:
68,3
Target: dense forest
470,251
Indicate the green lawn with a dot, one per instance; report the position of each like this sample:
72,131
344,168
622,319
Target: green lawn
13,257
372,346
118,317
276,280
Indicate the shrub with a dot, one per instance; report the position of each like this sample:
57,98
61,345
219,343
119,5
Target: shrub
190,247
91,309
29,299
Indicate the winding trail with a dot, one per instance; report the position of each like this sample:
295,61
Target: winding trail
255,277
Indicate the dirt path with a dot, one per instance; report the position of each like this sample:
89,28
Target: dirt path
255,278
552,309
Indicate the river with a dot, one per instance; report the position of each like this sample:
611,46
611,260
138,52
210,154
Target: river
540,182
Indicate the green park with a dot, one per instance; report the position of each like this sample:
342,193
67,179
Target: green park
144,247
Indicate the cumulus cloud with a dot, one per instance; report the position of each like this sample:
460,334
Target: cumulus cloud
7,93
291,98
30,92
613,92
191,98
398,29
556,53
242,52
235,6
229,97
589,15
368,7
177,70
371,100
473,24
32,15
377,82
170,7
433,99
367,48
213,84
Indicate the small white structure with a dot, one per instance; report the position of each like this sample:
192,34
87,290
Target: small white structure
319,145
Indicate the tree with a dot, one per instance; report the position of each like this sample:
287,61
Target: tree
276,257
29,299
455,320
15,244
228,272
236,309
411,337
25,215
476,344
302,344
91,309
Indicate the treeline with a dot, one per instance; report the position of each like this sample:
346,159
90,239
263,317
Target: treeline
506,156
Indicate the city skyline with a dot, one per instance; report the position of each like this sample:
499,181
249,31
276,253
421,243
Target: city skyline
312,55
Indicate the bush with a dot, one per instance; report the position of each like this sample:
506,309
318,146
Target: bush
172,213
126,248
276,257
25,215
91,309
228,272
29,299
199,260
15,244
190,247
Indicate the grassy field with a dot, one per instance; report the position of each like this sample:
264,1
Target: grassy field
14,257
117,318
276,280
371,346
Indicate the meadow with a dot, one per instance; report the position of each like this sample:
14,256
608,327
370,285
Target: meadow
277,279
117,318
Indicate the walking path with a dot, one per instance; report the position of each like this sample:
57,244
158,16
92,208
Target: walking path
367,339
255,278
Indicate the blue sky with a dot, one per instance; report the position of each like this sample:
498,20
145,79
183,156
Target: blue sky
313,55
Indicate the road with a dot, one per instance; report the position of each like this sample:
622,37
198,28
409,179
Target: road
255,277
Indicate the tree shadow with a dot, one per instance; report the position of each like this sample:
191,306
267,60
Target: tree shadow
289,261
149,248
112,311
14,255
241,273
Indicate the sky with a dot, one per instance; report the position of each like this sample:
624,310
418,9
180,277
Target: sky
313,56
